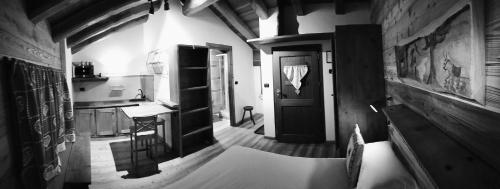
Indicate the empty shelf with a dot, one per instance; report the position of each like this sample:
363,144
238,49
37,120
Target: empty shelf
205,128
193,68
194,110
194,88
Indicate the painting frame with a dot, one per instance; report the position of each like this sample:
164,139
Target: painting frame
469,84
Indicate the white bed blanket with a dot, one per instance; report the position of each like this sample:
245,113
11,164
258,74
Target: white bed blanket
247,168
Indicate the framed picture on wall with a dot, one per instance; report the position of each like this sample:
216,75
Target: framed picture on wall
447,56
329,58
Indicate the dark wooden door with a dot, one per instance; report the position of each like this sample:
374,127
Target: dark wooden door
359,81
298,117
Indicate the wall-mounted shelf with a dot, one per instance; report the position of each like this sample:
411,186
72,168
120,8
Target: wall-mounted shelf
193,68
78,79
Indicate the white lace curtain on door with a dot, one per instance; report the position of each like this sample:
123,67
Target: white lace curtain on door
294,74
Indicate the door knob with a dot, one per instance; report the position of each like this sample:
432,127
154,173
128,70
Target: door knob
278,92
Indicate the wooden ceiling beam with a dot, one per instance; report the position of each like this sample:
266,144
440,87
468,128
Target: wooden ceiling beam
260,8
297,5
110,22
243,38
89,15
141,20
233,19
340,6
48,9
193,6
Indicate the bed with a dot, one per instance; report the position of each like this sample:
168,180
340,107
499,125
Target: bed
242,167
375,164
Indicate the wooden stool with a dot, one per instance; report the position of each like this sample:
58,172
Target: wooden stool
161,122
245,109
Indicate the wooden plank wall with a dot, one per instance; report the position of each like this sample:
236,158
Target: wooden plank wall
20,38
475,126
7,173
492,53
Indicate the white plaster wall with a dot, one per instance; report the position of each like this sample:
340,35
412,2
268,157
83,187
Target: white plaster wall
322,17
328,97
116,88
119,54
125,52
319,18
165,30
257,86
67,56
268,28
268,94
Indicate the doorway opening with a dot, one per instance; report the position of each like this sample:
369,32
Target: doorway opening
221,79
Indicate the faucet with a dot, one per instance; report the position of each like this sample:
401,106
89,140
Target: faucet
141,94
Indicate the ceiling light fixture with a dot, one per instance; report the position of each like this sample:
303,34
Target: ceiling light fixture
166,6
151,7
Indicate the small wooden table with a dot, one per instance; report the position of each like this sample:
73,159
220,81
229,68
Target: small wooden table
149,110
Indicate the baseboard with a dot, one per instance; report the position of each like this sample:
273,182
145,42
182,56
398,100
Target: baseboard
268,137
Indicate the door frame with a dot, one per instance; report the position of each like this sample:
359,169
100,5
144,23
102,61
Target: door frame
230,80
309,47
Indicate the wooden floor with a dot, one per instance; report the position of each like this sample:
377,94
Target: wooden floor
104,174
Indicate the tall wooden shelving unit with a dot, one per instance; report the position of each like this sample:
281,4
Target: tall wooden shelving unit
194,130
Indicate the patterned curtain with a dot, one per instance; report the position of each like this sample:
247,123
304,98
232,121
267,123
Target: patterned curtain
44,119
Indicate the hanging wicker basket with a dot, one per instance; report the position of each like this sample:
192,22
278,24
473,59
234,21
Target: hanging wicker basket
155,67
155,61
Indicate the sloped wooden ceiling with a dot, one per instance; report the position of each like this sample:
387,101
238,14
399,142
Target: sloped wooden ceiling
83,22
242,16
248,13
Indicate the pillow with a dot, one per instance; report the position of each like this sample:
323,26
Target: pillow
380,168
354,155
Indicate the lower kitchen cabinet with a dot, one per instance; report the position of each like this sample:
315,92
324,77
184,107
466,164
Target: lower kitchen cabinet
106,121
85,121
102,121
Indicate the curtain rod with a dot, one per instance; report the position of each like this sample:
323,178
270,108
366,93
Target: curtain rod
31,61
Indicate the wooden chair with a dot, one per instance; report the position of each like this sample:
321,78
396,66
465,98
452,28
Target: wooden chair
143,131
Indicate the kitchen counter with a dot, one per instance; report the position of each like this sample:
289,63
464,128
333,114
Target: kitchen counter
108,104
